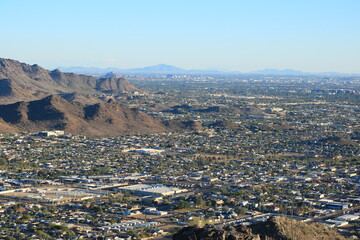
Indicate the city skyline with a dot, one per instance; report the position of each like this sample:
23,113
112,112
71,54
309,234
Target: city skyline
310,36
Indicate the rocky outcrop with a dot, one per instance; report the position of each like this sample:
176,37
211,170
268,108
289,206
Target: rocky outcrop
177,125
210,232
110,85
275,228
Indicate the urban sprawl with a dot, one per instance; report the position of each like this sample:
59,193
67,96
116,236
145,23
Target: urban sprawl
263,146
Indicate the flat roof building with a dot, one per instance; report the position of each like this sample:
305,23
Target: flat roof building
337,206
152,190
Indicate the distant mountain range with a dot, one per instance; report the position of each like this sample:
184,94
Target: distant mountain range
156,69
169,69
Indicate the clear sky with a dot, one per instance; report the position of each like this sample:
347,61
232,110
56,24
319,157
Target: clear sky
242,35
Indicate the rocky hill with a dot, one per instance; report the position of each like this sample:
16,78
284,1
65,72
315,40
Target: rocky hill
112,84
178,125
337,140
111,75
276,228
23,82
225,124
77,97
56,113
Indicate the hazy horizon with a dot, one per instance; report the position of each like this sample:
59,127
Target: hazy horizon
242,36
194,70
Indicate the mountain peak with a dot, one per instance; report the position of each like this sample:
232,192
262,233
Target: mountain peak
111,75
160,68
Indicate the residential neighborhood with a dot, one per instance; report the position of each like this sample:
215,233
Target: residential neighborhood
251,154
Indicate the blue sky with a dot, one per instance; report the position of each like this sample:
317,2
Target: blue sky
242,35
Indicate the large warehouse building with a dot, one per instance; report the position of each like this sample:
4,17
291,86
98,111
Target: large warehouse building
156,190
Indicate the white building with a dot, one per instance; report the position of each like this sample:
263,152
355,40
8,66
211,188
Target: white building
152,190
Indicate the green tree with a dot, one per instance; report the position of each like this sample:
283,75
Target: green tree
183,205
240,210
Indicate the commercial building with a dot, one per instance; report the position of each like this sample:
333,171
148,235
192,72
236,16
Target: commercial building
337,206
155,190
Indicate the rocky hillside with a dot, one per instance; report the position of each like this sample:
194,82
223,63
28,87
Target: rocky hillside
77,97
56,113
23,82
178,125
275,228
112,84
